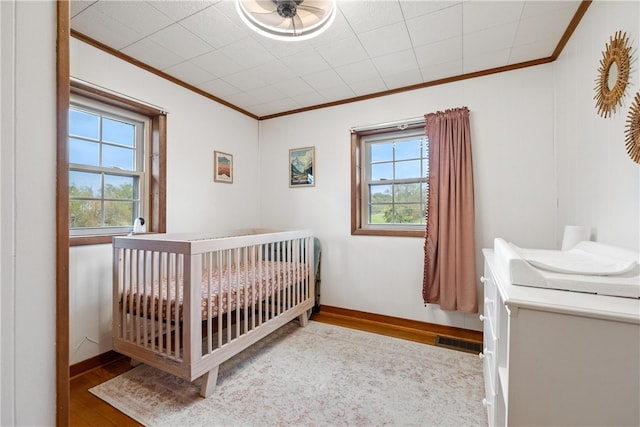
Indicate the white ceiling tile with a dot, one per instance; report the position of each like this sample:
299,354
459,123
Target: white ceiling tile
219,88
480,14
342,52
368,15
539,7
358,71
214,27
152,54
217,64
137,15
189,72
181,41
293,87
273,72
304,63
414,8
366,87
543,26
440,52
310,98
402,79
493,38
266,94
444,70
246,79
441,25
396,62
177,10
540,48
104,28
77,6
323,79
385,40
336,93
486,61
286,104
247,52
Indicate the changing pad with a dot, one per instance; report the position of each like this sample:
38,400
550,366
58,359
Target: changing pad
621,269
581,259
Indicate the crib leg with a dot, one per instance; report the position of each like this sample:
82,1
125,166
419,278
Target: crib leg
303,319
209,382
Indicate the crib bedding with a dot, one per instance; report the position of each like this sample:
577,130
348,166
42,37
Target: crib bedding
242,286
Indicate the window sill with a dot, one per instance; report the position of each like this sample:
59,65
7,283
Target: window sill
92,240
392,233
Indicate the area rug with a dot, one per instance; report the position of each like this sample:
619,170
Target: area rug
319,375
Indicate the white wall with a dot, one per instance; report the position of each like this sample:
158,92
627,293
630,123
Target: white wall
515,189
27,213
196,127
598,183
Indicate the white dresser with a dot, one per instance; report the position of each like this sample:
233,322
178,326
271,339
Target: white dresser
556,357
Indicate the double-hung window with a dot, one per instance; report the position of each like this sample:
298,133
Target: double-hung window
390,169
107,171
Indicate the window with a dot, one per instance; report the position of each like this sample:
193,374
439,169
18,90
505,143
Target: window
107,178
116,168
389,181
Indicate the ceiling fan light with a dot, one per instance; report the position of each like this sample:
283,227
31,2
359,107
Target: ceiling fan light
289,20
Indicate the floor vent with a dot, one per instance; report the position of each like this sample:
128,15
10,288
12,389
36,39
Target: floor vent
458,344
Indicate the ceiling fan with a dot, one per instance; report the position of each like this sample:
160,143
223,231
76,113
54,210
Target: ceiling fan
287,19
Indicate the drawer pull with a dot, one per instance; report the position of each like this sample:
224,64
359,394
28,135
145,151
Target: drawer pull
481,317
483,279
481,356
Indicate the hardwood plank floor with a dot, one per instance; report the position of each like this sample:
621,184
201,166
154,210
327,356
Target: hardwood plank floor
88,410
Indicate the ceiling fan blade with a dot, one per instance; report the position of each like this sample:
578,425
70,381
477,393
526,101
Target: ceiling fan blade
319,13
296,25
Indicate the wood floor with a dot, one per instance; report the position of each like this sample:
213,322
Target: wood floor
87,410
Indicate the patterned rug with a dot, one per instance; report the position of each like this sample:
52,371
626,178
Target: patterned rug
314,376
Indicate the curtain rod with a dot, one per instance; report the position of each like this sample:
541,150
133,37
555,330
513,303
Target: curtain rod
399,124
118,94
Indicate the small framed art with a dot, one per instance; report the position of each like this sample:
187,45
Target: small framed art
222,167
301,167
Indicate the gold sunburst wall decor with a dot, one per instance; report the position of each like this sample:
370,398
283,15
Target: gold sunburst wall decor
632,132
613,74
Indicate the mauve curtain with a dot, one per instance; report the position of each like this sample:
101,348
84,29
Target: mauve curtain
449,248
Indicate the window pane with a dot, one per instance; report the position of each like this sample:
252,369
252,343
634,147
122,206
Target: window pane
408,169
380,193
85,184
118,132
407,193
84,152
118,213
381,152
408,149
380,214
407,214
117,157
84,213
119,187
84,124
425,168
381,171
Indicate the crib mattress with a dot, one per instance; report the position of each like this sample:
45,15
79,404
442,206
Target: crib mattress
222,290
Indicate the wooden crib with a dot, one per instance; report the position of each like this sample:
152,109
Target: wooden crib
186,303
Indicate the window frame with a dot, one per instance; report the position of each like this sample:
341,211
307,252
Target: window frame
359,195
142,125
154,158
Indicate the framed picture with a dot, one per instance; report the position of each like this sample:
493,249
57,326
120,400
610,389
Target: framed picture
222,167
301,167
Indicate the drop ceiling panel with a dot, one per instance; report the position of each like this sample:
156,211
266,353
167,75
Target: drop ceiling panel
372,46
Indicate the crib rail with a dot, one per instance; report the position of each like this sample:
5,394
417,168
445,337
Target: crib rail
186,303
